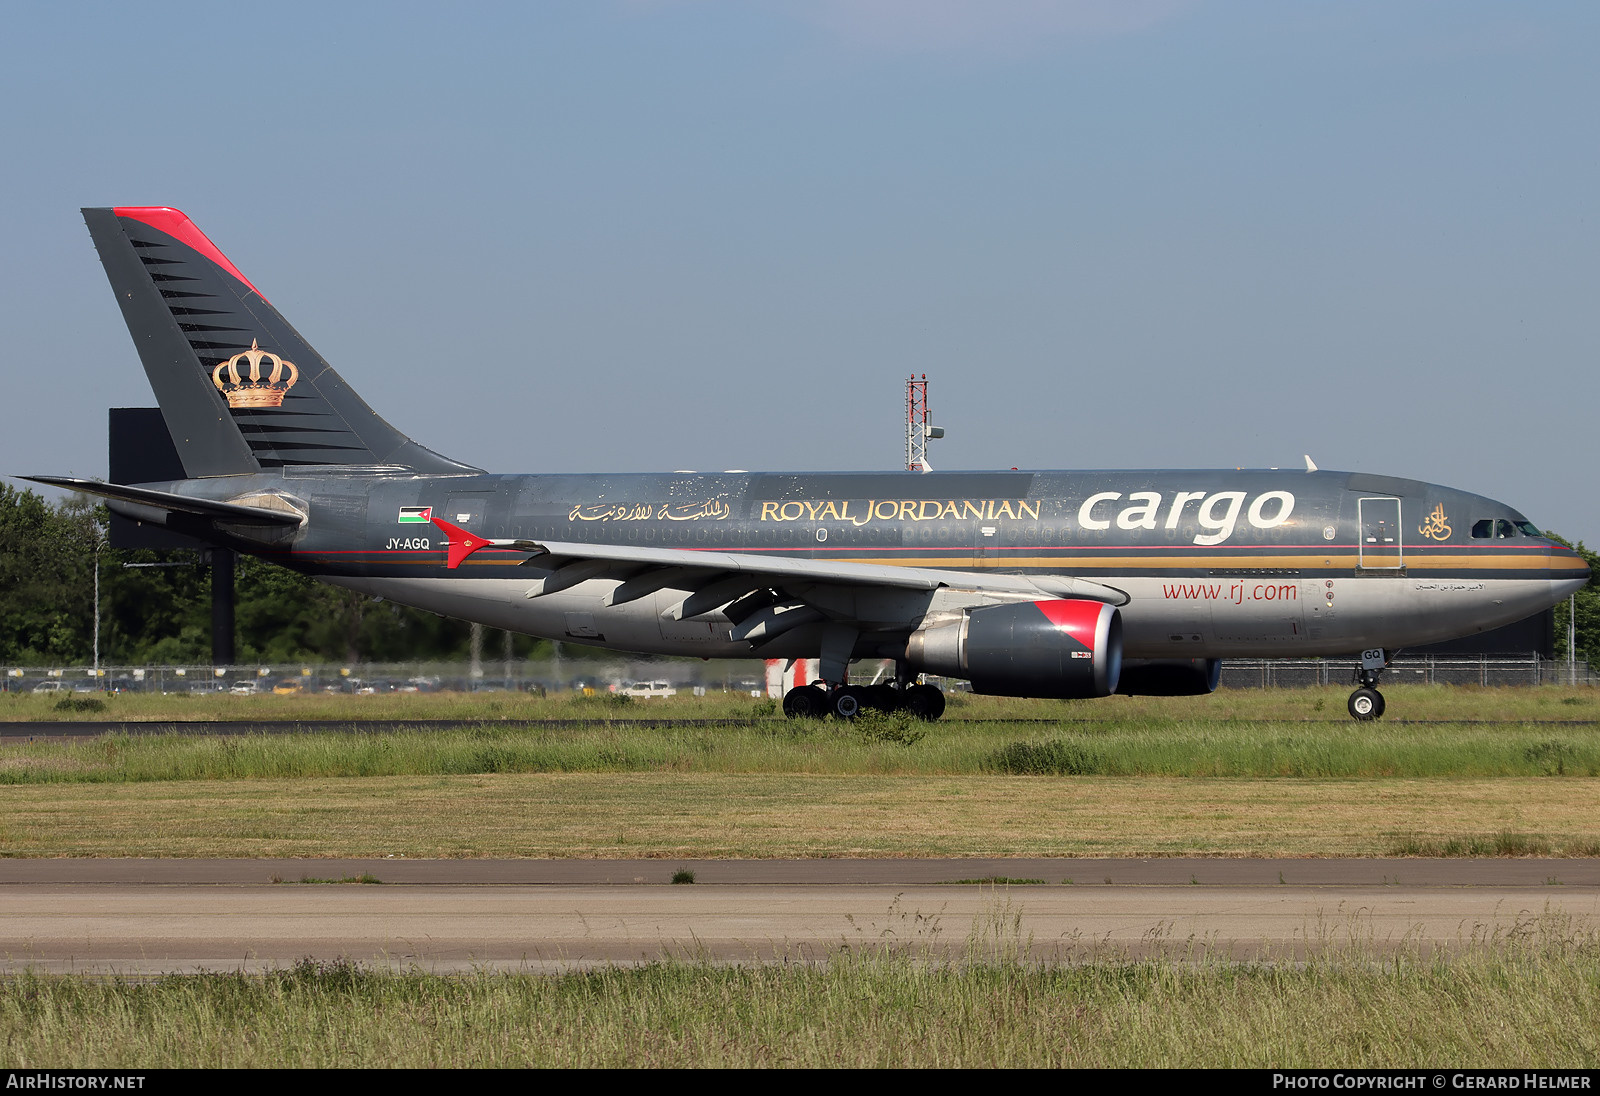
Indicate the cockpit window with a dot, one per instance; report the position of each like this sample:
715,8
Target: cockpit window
1483,530
1501,529
1528,529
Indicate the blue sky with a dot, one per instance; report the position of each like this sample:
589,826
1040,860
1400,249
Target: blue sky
661,234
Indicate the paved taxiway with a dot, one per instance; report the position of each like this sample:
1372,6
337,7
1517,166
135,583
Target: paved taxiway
155,916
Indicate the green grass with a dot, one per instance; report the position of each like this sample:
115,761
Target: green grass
1165,777
1145,747
1530,999
1504,843
1324,704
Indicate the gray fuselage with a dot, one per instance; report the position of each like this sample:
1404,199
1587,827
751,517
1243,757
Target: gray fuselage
1214,563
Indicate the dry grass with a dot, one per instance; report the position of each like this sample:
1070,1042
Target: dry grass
1528,1000
790,815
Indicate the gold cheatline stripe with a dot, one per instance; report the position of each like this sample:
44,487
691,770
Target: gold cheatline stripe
1135,564
1309,562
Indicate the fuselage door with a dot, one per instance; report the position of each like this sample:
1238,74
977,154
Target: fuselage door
1381,548
467,511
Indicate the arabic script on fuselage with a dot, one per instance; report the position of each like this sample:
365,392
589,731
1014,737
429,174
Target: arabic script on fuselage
710,510
1435,527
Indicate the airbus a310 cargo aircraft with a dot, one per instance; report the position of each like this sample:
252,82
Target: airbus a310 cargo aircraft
1031,583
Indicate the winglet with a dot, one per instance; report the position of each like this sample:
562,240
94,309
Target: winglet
462,543
1311,465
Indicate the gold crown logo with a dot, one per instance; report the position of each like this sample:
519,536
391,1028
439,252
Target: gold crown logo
252,389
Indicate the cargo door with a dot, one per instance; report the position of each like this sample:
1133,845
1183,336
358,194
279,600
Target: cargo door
1380,548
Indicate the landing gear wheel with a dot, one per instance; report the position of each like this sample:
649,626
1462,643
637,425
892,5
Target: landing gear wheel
805,702
884,698
925,702
847,701
1366,703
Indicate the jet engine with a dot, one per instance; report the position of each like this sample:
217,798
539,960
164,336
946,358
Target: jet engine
1061,648
1169,676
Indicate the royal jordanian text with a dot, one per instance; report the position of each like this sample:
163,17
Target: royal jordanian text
859,513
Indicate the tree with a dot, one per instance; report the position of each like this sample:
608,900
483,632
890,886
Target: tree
162,615
1588,608
47,556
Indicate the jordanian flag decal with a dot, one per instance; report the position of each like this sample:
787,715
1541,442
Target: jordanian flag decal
416,515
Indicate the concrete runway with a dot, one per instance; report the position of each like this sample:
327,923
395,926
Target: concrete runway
143,917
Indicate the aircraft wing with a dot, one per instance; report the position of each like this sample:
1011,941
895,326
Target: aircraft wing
764,595
830,571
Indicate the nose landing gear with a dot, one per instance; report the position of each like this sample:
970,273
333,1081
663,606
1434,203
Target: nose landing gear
1366,702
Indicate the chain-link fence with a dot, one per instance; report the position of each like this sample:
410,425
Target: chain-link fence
1504,669
744,676
549,675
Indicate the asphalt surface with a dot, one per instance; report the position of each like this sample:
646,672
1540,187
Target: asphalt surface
146,917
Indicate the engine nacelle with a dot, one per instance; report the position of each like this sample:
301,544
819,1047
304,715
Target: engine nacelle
1169,676
1061,648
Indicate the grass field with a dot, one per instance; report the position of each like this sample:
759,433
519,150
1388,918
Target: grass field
695,815
1436,702
1469,772
1150,777
1531,999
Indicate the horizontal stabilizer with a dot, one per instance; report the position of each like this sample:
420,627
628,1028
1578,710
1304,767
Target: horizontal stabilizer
167,502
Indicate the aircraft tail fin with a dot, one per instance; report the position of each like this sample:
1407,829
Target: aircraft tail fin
239,388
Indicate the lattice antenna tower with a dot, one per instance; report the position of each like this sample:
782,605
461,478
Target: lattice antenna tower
919,430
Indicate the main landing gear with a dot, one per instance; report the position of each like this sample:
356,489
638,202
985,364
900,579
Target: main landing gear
1366,702
819,699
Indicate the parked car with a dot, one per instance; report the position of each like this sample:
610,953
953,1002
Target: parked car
51,687
245,687
648,689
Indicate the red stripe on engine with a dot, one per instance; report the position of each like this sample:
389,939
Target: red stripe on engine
1078,619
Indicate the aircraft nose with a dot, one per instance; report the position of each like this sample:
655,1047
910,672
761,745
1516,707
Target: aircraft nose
1569,572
